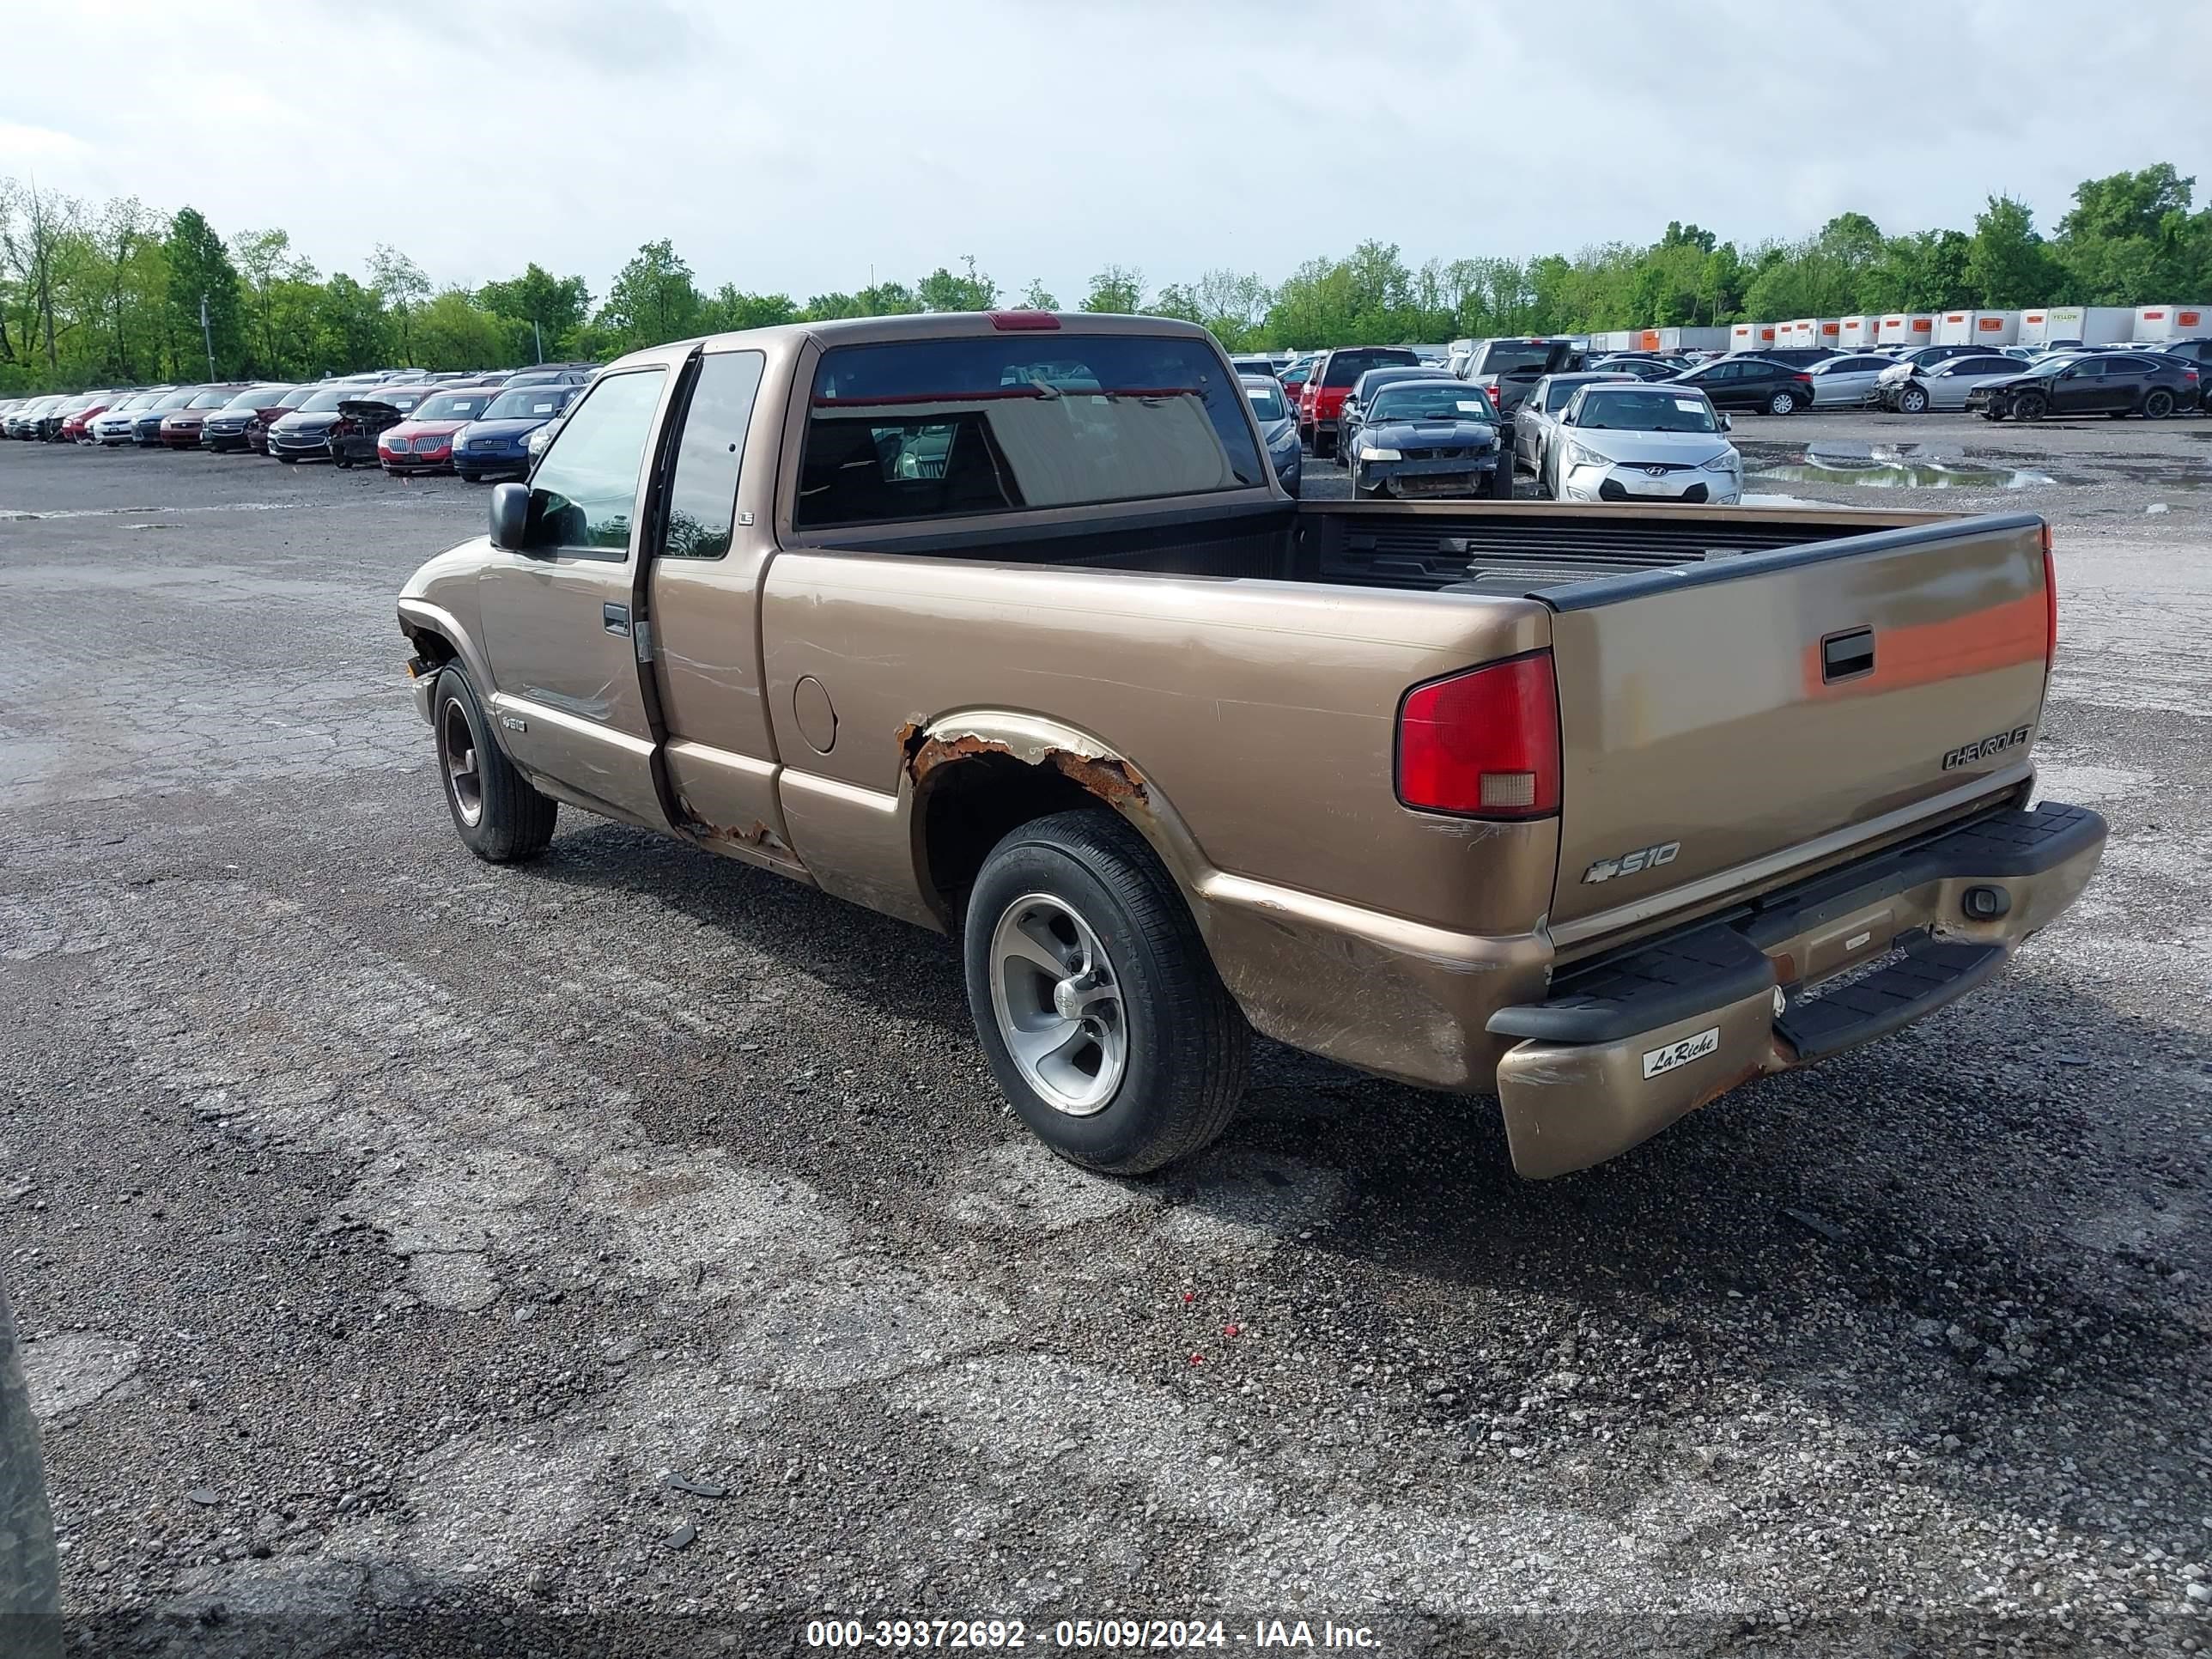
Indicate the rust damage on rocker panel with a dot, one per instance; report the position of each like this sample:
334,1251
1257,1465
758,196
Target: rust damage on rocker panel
754,835
1114,782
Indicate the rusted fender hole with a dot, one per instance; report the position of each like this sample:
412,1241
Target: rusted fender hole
1116,782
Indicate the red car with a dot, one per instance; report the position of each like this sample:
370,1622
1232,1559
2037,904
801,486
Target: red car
424,441
77,428
181,427
1321,400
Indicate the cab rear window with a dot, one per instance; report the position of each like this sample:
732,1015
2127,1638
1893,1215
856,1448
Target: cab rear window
943,428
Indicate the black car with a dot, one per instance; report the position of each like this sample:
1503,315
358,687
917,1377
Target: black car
1748,382
2152,384
1428,438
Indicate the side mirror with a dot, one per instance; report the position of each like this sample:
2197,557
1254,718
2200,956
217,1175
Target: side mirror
1727,425
510,515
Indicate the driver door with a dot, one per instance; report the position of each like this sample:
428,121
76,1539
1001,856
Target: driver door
568,693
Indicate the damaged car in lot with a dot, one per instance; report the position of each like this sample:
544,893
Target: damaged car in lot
1604,810
308,433
1650,443
2115,383
1429,437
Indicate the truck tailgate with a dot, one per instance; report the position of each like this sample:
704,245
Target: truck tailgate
1726,721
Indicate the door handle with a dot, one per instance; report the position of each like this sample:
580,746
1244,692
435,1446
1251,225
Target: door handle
615,619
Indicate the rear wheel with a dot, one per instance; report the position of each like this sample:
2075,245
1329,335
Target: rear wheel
1095,1000
499,816
2158,404
1781,403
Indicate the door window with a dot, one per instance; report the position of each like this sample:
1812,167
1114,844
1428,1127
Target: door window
584,491
702,496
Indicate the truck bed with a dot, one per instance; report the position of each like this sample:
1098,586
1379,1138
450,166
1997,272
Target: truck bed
1533,549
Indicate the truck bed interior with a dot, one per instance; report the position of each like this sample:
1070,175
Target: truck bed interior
1501,548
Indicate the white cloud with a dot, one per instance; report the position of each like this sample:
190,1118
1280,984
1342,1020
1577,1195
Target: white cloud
802,148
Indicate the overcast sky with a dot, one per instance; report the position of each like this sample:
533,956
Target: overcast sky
795,146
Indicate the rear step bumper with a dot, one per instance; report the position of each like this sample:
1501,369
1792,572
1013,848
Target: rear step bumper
1627,1044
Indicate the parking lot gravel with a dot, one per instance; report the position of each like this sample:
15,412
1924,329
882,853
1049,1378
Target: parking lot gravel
629,1253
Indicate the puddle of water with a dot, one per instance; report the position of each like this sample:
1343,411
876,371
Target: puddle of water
1900,466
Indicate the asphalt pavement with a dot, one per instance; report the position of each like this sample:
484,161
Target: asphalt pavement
629,1253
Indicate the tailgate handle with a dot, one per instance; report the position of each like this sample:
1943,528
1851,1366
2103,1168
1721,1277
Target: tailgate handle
615,619
1847,656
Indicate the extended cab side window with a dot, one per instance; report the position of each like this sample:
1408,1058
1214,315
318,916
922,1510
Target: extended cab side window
702,495
584,493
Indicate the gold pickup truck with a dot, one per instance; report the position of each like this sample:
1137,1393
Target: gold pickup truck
1000,623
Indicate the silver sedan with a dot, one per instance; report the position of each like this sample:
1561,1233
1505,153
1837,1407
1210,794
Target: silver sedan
1846,379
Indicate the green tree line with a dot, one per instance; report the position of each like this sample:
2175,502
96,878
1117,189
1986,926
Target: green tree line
95,292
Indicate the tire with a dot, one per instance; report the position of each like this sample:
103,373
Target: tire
471,478
2031,406
30,1573
1500,485
1325,448
1994,410
1782,403
512,823
1184,1047
287,459
2158,404
2116,413
1912,400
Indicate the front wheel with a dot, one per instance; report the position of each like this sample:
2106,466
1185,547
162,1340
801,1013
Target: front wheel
2031,405
1781,403
2158,404
499,816
1912,401
1096,1004
471,478
287,459
1498,487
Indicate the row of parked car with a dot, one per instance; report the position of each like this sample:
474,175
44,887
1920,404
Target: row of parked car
1415,430
1407,421
481,426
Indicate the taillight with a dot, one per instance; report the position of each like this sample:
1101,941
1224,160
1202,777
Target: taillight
1484,744
1017,321
2049,600
1807,378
